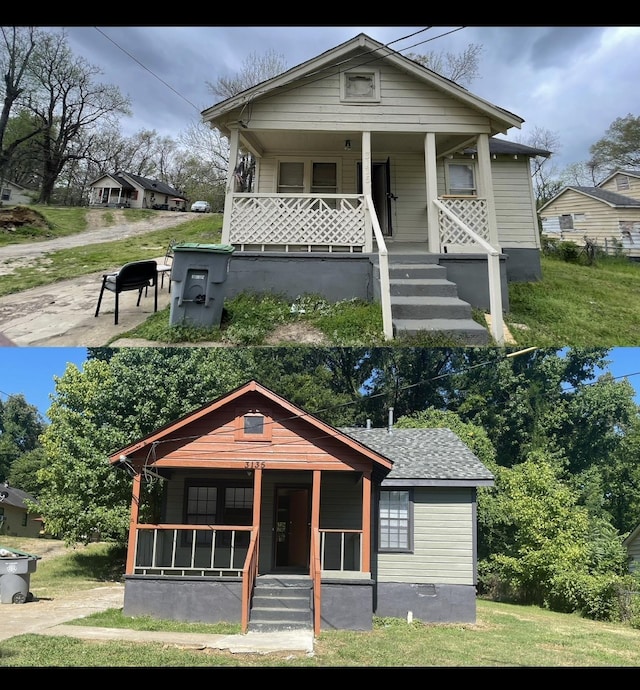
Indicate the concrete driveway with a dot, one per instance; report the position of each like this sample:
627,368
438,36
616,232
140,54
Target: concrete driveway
62,314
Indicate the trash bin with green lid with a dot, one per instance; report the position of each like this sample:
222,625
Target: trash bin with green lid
15,573
198,275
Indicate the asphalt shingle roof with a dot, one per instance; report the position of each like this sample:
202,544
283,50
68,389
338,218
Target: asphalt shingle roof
424,454
612,198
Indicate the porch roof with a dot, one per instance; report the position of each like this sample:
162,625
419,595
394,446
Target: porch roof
424,455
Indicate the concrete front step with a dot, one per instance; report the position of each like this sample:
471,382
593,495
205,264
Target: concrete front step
463,331
423,287
407,307
402,270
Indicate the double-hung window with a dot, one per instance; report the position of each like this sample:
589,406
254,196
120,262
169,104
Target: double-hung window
395,520
304,177
461,179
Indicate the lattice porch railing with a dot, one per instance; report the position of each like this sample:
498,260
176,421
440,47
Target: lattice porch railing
305,222
472,212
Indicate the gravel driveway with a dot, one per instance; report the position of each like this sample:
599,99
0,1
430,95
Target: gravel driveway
16,255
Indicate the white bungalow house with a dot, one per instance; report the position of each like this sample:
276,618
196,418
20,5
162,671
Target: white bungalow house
125,190
378,178
14,194
272,518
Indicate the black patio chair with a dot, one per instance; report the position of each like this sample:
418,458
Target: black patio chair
136,275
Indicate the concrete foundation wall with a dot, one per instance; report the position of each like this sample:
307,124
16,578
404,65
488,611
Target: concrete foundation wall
347,605
426,602
523,265
470,274
196,600
334,276
344,276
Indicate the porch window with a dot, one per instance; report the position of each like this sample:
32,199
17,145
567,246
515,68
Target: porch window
221,503
291,177
395,520
461,179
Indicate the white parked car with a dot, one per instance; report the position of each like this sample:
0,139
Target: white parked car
201,207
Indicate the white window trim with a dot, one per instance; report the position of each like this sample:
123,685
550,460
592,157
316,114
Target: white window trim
465,162
308,167
372,72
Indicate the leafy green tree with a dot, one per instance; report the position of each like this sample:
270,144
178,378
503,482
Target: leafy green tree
23,473
620,145
20,428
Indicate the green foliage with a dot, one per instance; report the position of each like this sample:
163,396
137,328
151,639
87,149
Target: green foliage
595,596
20,427
23,472
620,146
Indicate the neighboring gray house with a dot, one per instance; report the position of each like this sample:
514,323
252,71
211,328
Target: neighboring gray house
125,190
632,544
261,500
608,214
14,194
378,178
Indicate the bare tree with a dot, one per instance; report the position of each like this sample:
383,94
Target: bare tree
69,101
255,69
544,174
581,174
463,68
16,48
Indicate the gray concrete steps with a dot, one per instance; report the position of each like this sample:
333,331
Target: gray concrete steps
281,603
423,300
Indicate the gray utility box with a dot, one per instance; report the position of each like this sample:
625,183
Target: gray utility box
15,572
198,275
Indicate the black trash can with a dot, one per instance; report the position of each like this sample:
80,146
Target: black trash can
198,274
15,573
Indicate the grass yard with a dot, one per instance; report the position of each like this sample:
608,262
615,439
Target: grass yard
504,635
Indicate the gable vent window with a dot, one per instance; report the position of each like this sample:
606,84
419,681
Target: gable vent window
253,425
361,86
622,182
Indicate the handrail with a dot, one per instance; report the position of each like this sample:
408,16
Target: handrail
249,572
316,579
383,257
493,271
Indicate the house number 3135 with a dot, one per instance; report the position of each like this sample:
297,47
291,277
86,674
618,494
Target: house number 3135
255,464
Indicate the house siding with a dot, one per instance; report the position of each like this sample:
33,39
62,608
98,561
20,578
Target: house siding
612,186
444,540
12,524
633,550
601,222
405,104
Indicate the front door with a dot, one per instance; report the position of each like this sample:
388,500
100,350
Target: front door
380,193
293,529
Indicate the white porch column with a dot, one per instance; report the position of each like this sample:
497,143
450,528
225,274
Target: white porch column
228,198
433,226
485,187
366,186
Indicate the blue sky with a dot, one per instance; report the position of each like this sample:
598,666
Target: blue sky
30,370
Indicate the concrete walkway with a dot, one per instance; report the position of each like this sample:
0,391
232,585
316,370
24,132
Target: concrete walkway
43,616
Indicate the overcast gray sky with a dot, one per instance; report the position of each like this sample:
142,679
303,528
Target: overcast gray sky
572,81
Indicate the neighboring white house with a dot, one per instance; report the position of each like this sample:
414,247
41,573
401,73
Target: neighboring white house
364,157
125,190
13,194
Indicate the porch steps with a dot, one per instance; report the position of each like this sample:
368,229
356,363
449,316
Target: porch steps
281,602
424,300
